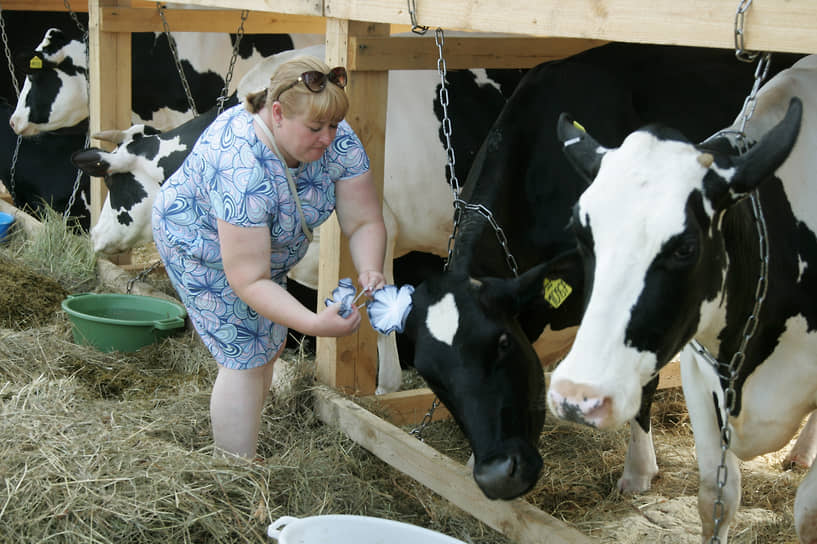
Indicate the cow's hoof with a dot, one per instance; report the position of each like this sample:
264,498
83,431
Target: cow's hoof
632,485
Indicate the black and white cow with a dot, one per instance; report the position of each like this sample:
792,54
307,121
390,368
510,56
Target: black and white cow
53,102
417,201
41,172
672,248
142,156
473,325
54,94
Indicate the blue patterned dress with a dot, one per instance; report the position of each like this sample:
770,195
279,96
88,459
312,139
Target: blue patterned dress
232,175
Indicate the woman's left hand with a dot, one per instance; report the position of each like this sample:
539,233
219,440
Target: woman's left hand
370,281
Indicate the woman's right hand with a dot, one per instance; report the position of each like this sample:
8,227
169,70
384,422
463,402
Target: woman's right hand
330,323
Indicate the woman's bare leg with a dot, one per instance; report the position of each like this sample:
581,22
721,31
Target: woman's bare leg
236,404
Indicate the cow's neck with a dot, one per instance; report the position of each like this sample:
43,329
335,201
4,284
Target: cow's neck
722,331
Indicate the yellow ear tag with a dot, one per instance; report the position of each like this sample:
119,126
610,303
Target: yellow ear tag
578,126
35,63
556,291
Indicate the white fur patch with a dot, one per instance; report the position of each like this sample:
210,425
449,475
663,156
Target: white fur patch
443,319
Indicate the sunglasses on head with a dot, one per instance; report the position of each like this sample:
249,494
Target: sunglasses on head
315,81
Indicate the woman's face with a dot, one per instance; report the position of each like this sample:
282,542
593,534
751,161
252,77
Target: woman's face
304,139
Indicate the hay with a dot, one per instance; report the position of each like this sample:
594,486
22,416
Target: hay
115,447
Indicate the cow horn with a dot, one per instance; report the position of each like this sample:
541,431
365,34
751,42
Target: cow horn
705,159
113,136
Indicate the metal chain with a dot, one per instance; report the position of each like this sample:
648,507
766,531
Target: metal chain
75,190
7,50
740,51
750,326
460,206
11,184
735,364
417,432
171,42
749,106
77,22
142,275
416,28
229,77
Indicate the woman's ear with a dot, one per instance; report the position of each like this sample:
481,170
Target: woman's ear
276,113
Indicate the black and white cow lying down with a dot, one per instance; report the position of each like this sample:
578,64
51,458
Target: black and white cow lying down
668,238
473,325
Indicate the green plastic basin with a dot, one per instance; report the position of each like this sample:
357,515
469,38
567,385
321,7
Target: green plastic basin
113,322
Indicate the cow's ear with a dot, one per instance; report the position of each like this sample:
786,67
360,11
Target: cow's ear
551,294
582,151
761,161
553,282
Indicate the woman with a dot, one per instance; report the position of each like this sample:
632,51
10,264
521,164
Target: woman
228,229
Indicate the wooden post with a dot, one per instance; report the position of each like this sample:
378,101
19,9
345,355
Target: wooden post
350,363
109,75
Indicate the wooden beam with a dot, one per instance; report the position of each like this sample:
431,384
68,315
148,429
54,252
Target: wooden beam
670,375
295,7
59,5
461,52
771,25
124,19
408,407
517,519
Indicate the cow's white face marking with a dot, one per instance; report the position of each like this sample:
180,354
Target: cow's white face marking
634,206
442,319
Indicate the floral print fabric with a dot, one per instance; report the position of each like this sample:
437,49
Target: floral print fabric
232,175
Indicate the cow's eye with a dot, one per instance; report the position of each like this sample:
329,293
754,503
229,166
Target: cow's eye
684,251
504,342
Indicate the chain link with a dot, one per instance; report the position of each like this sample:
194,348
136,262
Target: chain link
76,20
417,432
229,77
416,28
740,50
142,275
7,50
171,42
13,168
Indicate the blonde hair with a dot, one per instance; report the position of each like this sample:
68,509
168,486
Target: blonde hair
330,104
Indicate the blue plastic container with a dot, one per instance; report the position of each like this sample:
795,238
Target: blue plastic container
5,223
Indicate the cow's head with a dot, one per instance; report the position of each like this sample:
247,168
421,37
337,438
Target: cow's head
473,350
648,229
133,172
55,91
142,160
